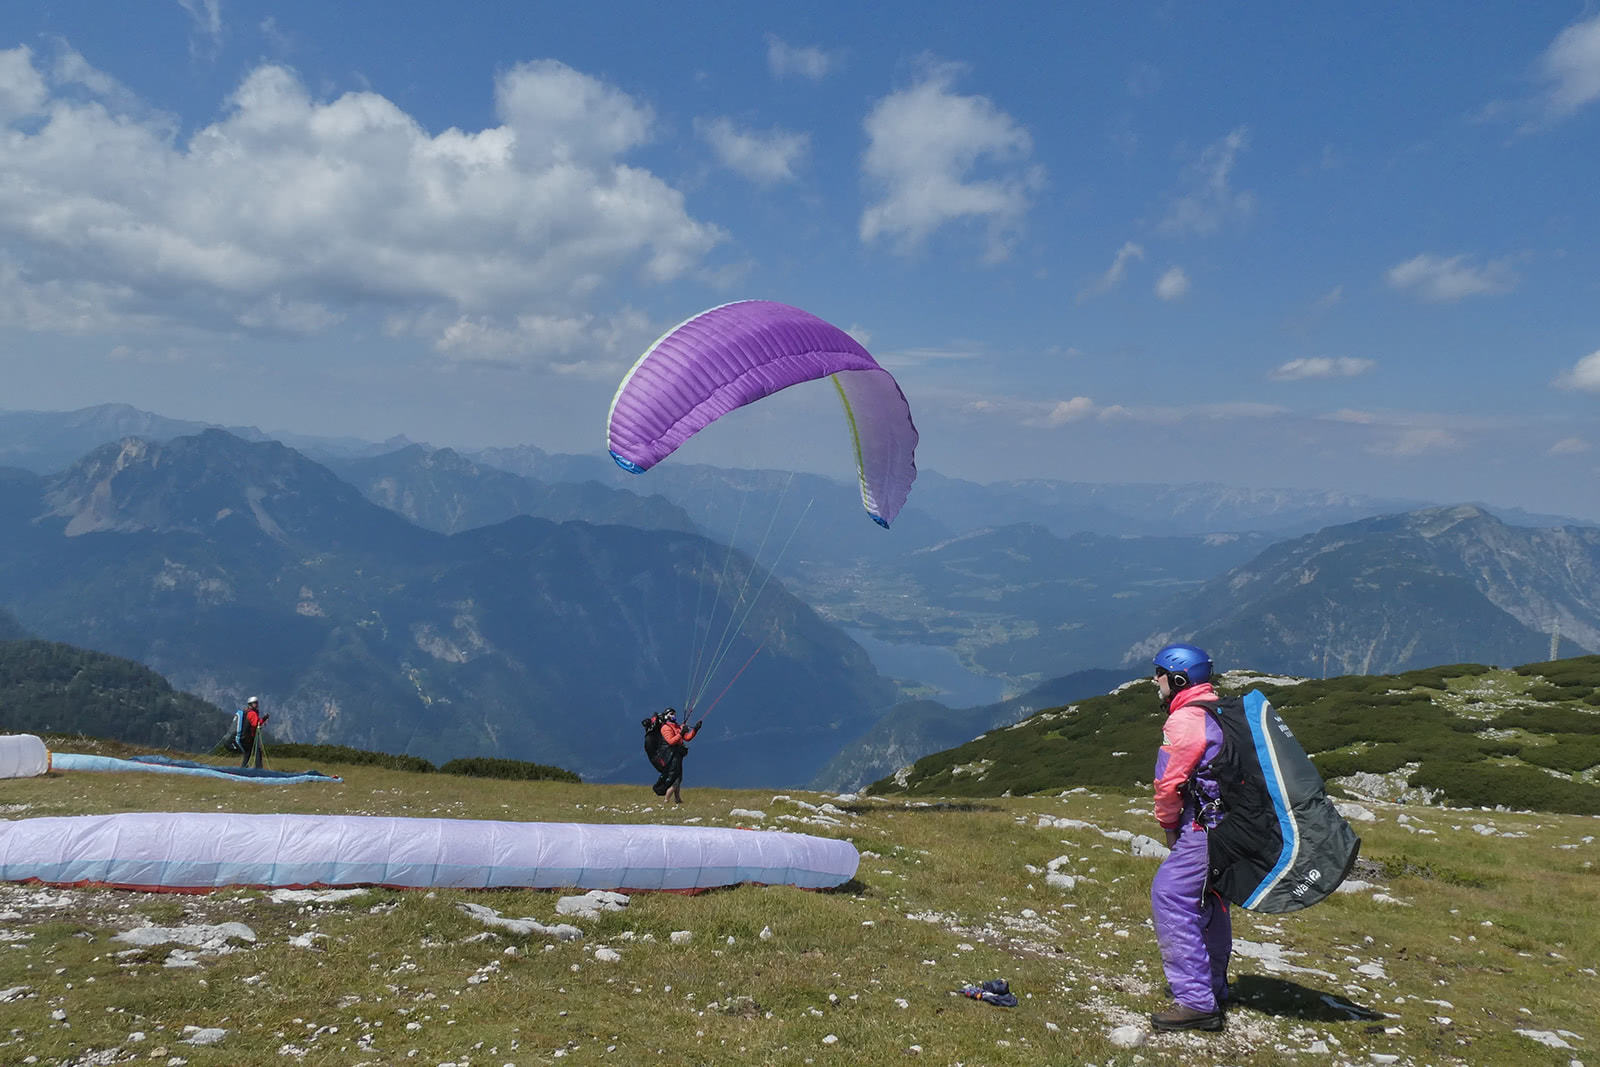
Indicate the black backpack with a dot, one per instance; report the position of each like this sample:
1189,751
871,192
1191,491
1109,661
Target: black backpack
655,748
1283,845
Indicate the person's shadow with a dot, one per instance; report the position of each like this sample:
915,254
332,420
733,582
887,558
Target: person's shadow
1279,996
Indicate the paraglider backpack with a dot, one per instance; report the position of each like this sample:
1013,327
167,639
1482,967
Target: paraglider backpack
654,747
236,736
1283,845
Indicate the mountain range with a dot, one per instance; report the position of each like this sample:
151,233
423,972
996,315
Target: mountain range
233,567
514,602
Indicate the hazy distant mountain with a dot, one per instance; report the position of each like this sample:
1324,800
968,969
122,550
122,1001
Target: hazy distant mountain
917,728
46,441
442,490
1441,585
233,567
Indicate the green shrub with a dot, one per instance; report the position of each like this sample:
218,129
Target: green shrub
1578,670
1555,694
1548,720
1567,752
1491,785
354,756
517,770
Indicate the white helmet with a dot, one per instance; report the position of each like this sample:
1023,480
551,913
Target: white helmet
252,700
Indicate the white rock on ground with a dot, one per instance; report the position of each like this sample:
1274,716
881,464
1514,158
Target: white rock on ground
525,927
592,903
747,813
682,937
1148,847
312,896
1354,811
1129,1036
207,938
1544,1037
203,1035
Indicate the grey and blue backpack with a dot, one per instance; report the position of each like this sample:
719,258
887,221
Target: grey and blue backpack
1283,845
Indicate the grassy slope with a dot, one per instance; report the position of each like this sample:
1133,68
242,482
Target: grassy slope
1524,738
947,893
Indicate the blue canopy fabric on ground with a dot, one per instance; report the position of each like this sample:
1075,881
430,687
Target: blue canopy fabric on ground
73,761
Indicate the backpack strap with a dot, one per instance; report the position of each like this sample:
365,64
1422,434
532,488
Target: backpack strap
1214,806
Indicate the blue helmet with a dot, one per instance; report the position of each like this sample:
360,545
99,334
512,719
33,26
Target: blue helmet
1188,663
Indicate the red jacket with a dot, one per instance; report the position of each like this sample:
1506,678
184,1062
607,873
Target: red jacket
253,719
673,734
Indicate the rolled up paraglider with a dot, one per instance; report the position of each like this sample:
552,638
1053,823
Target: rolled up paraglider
187,851
738,353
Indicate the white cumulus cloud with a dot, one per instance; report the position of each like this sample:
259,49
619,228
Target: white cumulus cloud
785,60
1445,279
1321,367
1173,284
765,157
1570,68
935,156
1114,274
1585,374
1065,411
1210,200
292,213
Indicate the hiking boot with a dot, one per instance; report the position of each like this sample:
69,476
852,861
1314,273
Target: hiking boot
1179,1017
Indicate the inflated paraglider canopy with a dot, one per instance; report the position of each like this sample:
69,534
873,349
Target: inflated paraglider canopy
209,850
735,354
22,756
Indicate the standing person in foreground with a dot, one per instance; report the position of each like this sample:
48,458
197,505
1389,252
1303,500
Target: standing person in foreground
677,740
250,735
1193,928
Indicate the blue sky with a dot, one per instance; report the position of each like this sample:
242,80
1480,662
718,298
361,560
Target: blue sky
1351,247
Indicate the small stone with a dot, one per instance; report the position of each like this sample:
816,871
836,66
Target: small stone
1129,1036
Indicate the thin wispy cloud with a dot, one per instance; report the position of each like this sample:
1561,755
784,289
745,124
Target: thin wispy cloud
1210,201
1321,367
1173,284
1569,446
1447,279
785,60
1416,442
1331,299
205,34
935,156
1128,253
765,157
1584,375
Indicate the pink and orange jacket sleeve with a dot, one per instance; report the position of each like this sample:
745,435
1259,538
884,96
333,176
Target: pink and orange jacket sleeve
1183,743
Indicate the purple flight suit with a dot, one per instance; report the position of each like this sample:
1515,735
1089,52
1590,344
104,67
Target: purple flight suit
1193,928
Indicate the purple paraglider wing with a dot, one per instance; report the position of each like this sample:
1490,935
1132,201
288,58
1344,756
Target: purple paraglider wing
736,354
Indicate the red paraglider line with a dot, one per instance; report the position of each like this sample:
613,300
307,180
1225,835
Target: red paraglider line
735,678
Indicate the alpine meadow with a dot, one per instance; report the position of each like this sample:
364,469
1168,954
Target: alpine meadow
807,536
